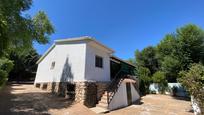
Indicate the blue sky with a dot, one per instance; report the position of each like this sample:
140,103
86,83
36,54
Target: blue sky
123,25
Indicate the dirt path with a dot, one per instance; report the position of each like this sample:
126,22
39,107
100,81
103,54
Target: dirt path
24,99
157,105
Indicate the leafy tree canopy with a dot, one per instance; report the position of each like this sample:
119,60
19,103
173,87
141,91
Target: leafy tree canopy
147,58
175,53
145,79
191,45
18,29
159,77
171,67
25,66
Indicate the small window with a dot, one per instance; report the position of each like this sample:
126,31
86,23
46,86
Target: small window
52,65
99,61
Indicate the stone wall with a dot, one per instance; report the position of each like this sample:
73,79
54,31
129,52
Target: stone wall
101,87
86,92
49,87
53,87
90,92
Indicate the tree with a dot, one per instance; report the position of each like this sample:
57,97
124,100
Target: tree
160,78
175,53
25,65
190,45
171,67
19,30
193,81
179,50
147,58
145,79
167,46
132,61
147,64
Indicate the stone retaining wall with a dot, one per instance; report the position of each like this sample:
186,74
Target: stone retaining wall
51,87
101,87
86,92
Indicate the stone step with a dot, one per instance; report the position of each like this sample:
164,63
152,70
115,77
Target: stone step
104,97
103,105
105,94
99,110
103,101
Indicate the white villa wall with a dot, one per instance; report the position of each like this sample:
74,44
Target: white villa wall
75,53
44,74
134,93
95,73
180,89
120,98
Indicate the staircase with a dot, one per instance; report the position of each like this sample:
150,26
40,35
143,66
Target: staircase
111,90
109,93
103,103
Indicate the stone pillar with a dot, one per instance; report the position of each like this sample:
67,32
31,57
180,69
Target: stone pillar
90,94
62,89
79,91
53,87
49,87
41,85
86,93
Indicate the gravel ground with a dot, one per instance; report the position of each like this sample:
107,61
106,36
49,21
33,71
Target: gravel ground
157,105
25,99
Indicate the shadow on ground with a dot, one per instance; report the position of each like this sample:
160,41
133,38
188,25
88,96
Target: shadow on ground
25,99
181,98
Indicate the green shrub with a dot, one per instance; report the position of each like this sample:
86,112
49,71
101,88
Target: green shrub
145,79
6,66
193,81
3,77
159,77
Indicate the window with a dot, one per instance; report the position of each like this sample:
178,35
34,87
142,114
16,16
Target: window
99,61
52,65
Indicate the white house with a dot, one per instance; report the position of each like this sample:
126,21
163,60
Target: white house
86,68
